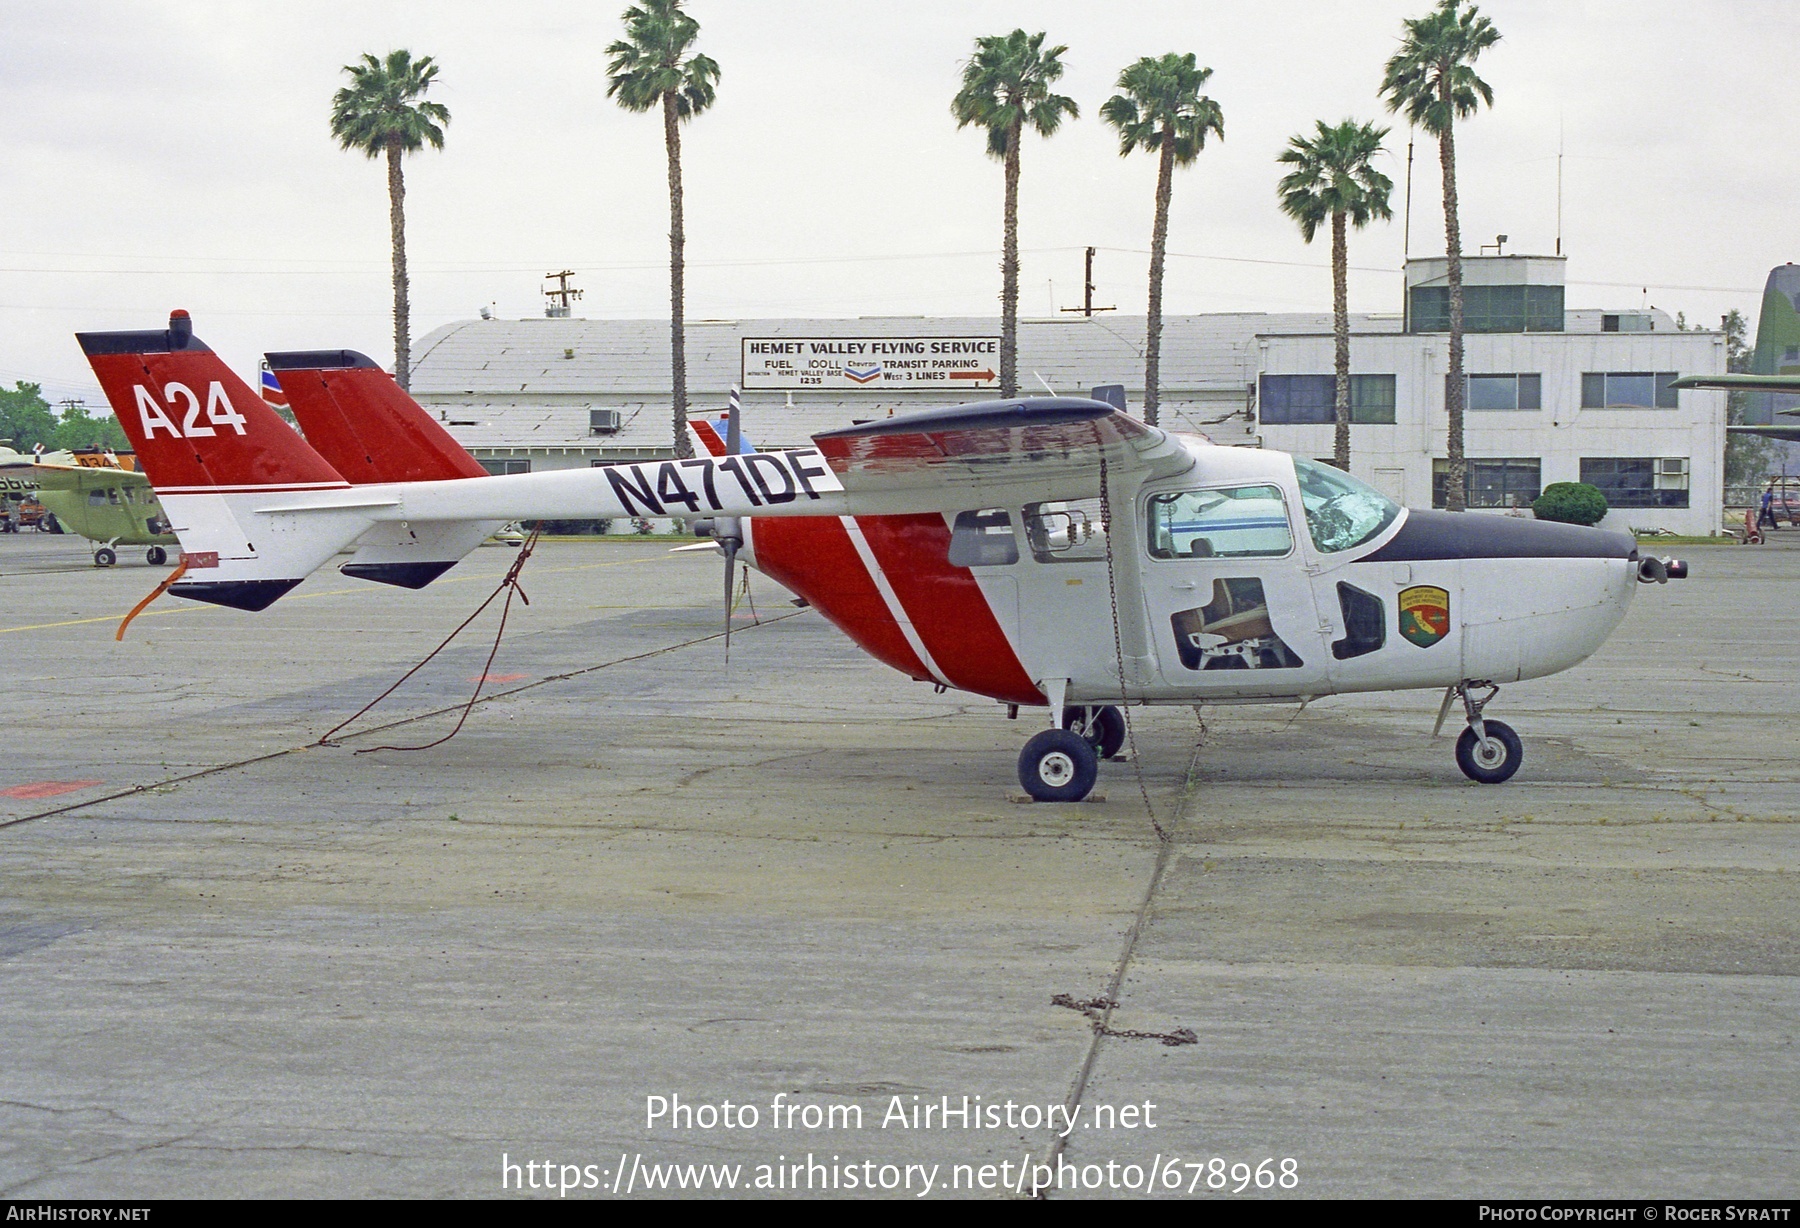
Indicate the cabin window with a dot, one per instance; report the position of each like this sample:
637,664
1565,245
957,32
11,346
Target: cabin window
96,498
1341,512
1066,531
983,539
1365,623
1234,522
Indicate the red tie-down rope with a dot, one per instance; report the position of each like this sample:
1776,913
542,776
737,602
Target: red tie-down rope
509,584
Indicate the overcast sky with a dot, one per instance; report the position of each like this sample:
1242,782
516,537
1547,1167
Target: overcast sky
178,154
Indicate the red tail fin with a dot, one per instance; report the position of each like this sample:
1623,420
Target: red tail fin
364,423
194,424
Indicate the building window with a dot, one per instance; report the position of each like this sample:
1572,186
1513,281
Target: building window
1286,400
1502,392
1503,481
1627,323
1490,309
1628,389
1638,481
506,465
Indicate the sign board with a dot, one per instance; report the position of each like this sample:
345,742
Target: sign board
886,363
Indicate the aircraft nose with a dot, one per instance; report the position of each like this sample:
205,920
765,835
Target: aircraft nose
1430,535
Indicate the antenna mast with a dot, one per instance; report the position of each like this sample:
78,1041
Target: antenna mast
1087,307
562,296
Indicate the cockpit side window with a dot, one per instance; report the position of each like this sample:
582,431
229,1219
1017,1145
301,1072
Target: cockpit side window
1067,531
1229,522
983,539
1341,512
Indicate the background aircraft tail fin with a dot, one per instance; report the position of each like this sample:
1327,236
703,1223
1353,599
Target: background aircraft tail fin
1777,349
372,431
364,423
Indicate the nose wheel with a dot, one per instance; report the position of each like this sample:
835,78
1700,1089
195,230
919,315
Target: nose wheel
1488,752
1058,765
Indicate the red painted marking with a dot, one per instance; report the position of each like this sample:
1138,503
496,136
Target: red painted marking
708,435
813,557
269,451
947,608
200,558
370,430
47,788
971,375
499,677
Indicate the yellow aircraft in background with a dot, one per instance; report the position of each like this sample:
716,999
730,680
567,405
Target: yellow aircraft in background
98,494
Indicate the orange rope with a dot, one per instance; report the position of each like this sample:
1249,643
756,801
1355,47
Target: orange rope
159,590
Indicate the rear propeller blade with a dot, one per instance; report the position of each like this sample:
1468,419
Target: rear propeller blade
731,548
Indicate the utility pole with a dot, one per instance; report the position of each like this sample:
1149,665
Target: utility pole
1087,307
563,295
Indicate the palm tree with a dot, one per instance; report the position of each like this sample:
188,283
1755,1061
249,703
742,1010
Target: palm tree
381,112
1332,179
1005,86
1162,111
1433,80
647,71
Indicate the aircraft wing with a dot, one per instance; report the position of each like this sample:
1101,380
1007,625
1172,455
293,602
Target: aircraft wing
995,452
1789,433
69,477
1742,383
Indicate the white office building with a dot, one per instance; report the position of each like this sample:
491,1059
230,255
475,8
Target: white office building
1553,396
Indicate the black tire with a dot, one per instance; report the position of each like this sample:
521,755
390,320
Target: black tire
1497,761
1106,733
49,524
104,557
1058,766
156,556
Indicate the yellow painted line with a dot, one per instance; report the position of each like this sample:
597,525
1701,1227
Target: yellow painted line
364,590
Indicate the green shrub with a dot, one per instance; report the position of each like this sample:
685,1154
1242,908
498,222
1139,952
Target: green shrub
1571,503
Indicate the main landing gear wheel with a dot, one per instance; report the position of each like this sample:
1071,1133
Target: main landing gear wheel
104,557
156,556
1493,759
1058,766
1104,728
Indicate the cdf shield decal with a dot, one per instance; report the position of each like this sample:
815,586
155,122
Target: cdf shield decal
1424,614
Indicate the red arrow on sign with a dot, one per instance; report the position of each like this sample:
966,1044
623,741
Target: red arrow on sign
971,375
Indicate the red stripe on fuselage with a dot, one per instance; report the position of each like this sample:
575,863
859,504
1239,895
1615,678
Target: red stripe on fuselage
813,557
947,607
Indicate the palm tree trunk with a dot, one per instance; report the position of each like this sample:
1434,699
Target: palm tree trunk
1456,480
1159,242
677,276
1340,334
1009,271
397,233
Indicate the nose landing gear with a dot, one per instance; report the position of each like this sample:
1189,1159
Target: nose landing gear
1488,751
1103,727
1061,763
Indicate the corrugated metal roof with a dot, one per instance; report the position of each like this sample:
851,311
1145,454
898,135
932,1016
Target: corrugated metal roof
529,383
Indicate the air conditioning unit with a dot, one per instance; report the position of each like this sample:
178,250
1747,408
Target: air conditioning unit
603,421
1672,473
